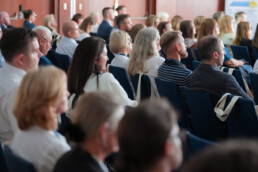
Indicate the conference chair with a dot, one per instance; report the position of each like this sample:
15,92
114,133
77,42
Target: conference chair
188,62
109,54
241,52
197,55
254,84
3,166
196,63
59,60
145,85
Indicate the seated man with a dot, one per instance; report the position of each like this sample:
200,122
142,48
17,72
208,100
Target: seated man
67,45
44,39
20,49
5,20
172,43
124,23
207,77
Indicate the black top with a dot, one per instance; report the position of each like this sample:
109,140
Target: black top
248,43
77,160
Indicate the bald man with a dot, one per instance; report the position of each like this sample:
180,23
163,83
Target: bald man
5,20
44,39
68,44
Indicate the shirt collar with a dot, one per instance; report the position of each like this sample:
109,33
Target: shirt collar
17,71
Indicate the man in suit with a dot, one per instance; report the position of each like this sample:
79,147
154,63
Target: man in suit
105,27
20,49
207,77
44,39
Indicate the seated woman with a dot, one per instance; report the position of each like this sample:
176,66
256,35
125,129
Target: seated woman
188,31
176,21
152,145
93,129
50,23
87,71
86,28
152,20
227,34
30,17
144,57
42,95
120,45
164,27
197,23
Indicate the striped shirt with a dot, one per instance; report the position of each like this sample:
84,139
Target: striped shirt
173,70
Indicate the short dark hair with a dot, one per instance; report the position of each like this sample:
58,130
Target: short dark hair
234,155
167,39
105,11
161,26
207,45
120,19
15,41
142,134
76,17
186,27
120,7
27,13
82,65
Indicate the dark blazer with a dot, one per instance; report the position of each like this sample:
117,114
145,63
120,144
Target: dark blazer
77,160
210,79
28,25
43,61
104,31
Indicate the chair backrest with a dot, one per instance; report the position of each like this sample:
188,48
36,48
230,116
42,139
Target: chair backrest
109,54
254,84
145,85
205,124
16,163
196,144
3,166
59,60
121,75
171,91
242,121
197,55
255,50
196,63
188,62
241,52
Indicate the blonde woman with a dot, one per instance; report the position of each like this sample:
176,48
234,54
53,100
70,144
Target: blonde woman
42,95
197,23
86,28
120,44
50,23
227,34
176,21
152,20
144,57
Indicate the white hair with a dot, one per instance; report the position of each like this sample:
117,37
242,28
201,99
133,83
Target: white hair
41,30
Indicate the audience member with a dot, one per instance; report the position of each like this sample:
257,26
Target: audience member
93,129
21,53
218,16
42,95
5,20
44,39
86,27
207,77
240,17
148,139
121,9
67,45
243,38
97,18
172,43
234,155
144,57
29,19
135,29
105,27
152,20
77,18
164,27
120,45
87,71
176,21
227,34
50,23
124,22
163,16
197,23
188,32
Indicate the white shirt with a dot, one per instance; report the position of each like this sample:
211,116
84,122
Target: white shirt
255,69
40,147
189,42
10,78
120,61
82,36
152,65
107,82
66,46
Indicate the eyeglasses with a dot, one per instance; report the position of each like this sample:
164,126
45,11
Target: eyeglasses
46,40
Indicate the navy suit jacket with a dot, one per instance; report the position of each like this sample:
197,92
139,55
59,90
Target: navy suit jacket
43,61
104,31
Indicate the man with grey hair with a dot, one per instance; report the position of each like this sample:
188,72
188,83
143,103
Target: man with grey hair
239,17
5,20
207,77
44,39
218,15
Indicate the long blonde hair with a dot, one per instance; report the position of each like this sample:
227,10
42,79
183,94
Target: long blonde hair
225,25
145,47
208,27
48,19
242,30
176,21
